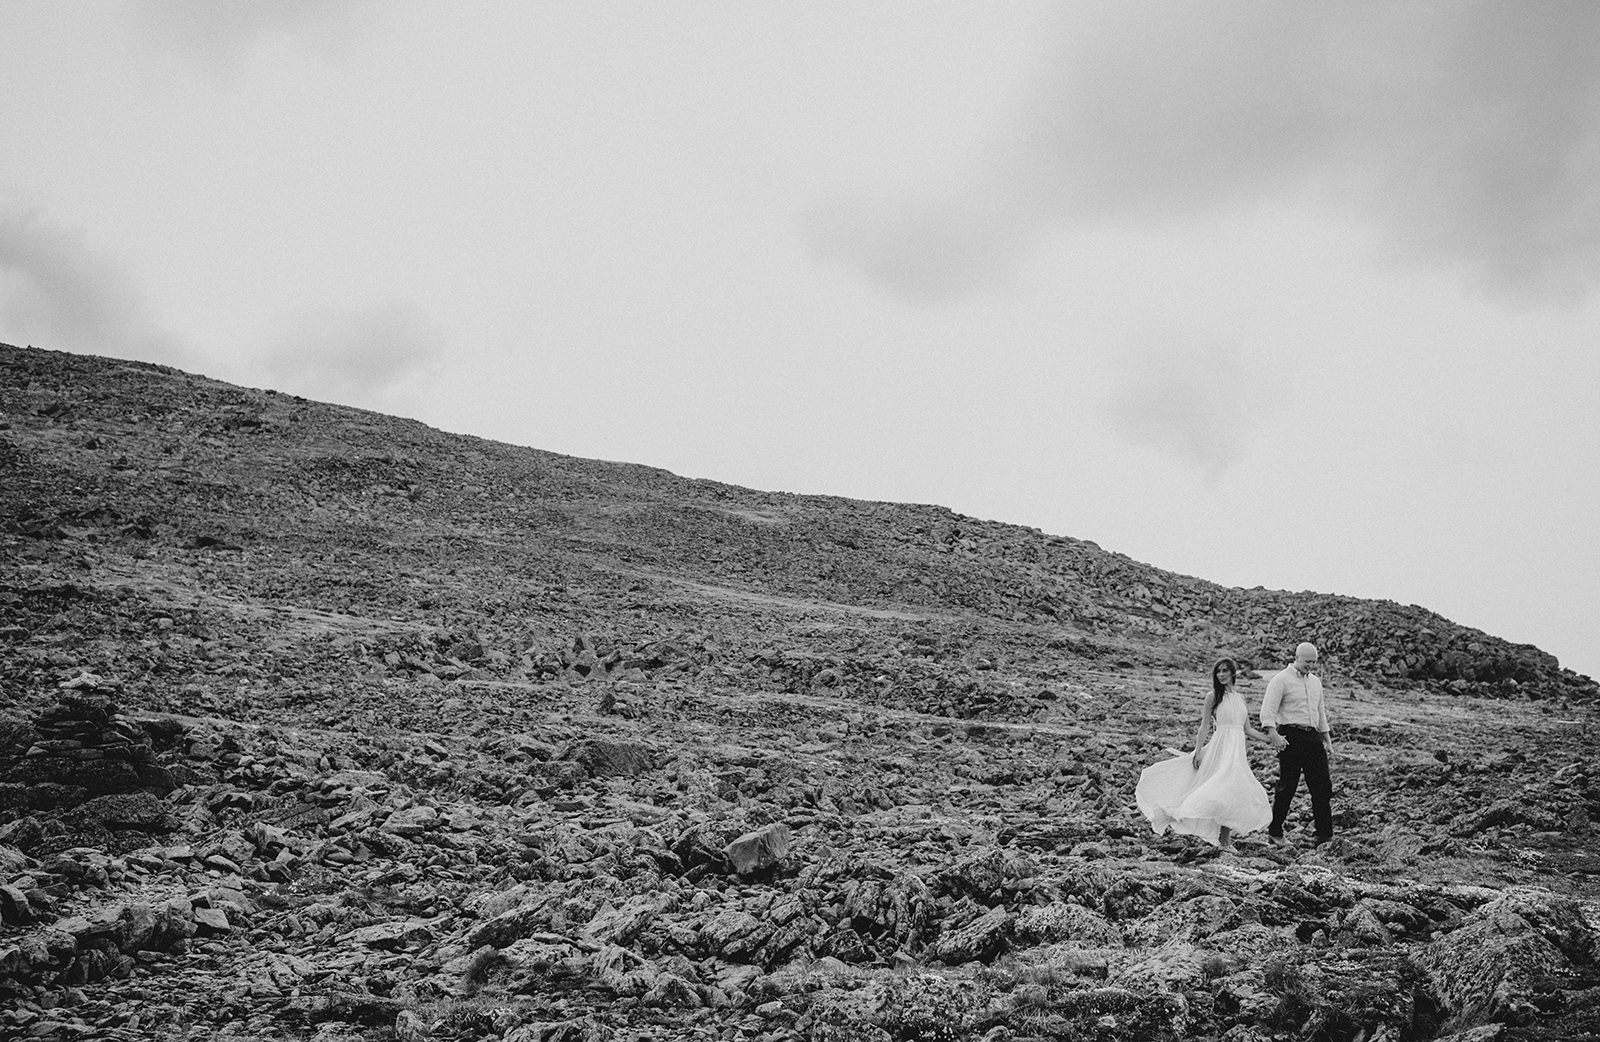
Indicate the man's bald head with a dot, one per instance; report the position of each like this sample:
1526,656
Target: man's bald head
1305,656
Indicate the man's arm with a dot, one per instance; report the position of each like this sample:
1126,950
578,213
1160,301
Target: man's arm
1269,711
1323,730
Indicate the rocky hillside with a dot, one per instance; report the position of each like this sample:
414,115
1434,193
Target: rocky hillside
318,723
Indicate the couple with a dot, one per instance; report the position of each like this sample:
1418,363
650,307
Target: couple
1213,794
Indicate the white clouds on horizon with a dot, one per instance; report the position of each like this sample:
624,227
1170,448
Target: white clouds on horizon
352,355
1464,134
57,292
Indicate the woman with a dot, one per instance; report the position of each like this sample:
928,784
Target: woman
1213,793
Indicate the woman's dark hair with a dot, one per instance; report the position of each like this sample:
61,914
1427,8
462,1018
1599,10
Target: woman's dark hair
1217,687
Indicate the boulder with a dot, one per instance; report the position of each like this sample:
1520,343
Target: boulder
761,849
1508,952
412,821
607,758
137,811
508,926
622,925
734,935
982,939
1066,922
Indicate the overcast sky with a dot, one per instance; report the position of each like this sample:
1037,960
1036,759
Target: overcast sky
1299,295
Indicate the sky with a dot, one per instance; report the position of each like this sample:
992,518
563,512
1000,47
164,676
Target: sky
1295,295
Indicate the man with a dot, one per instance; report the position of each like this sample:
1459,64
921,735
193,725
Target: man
1295,717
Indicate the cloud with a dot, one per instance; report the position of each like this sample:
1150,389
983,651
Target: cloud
56,292
218,34
1184,400
353,355
1463,133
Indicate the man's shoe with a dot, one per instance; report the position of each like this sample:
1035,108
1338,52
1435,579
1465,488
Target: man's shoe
1279,841
1321,840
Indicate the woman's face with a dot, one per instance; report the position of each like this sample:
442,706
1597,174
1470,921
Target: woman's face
1224,675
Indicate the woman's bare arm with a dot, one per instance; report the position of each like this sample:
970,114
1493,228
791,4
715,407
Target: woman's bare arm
1200,733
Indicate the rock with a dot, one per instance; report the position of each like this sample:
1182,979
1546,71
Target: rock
174,921
694,847
760,849
987,874
138,926
1481,1033
610,758
413,821
982,939
1064,921
622,925
1501,813
1191,919
393,936
1121,1013
21,835
13,861
671,991
508,926
734,935
410,1027
15,910
1493,967
140,811
1363,926
350,1007
221,863
214,920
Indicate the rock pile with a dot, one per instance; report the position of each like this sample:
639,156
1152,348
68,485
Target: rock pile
82,755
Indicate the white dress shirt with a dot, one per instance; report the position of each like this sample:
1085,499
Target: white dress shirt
1294,699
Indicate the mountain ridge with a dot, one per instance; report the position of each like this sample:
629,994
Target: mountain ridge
372,469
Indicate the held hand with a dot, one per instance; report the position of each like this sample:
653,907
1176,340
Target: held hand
1279,743
1195,759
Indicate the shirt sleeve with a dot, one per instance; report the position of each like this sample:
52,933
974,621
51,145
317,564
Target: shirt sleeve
1270,701
1322,708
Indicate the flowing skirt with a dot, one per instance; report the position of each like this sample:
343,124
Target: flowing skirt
1222,792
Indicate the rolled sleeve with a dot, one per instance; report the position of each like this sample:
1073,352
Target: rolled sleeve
1270,702
1322,708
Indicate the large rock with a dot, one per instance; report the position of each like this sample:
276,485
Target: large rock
987,874
1512,949
606,757
734,935
1066,922
412,821
982,939
139,811
622,925
760,849
508,926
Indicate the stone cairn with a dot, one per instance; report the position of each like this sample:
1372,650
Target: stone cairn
81,765
86,748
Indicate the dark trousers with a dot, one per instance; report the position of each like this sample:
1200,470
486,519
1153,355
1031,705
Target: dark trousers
1303,755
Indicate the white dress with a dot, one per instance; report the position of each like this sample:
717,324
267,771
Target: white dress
1223,791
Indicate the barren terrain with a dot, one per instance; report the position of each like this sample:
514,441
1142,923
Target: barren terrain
318,723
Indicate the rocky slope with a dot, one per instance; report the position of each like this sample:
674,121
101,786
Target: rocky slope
319,723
